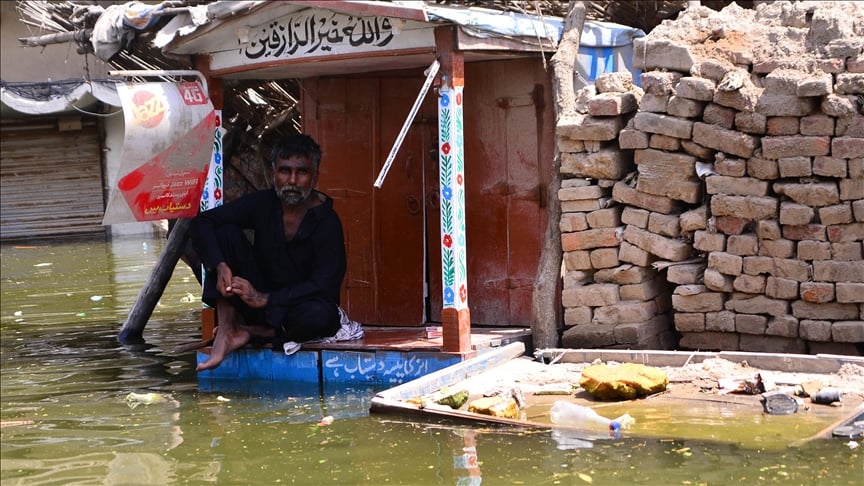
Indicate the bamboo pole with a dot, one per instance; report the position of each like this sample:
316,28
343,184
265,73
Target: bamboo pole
133,329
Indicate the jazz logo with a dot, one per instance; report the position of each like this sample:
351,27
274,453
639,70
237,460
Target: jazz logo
149,109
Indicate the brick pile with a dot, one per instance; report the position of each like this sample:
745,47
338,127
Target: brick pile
720,206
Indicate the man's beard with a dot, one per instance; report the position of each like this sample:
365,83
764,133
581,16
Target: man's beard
292,195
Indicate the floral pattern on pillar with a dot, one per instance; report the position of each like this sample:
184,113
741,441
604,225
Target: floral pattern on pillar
451,151
211,196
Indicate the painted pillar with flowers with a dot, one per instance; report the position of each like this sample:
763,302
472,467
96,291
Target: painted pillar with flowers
455,316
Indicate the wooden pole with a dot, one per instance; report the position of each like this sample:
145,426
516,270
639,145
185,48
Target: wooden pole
133,329
544,301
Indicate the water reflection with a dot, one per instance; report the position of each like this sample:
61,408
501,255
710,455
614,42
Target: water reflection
66,420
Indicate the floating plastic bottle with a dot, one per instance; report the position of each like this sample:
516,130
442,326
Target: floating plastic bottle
573,415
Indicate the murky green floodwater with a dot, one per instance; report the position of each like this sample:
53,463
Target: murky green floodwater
66,421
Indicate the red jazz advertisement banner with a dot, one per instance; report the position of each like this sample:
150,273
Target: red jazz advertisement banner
167,149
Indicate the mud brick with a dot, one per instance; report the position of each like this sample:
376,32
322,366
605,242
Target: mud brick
851,189
848,332
575,316
782,125
816,292
852,126
704,302
666,248
689,322
693,220
743,245
829,167
805,232
571,222
604,258
843,233
795,167
773,105
663,124
858,210
728,141
630,138
568,145
635,255
786,326
770,344
719,115
687,191
585,127
709,242
749,284
761,168
624,311
723,321
580,193
625,275
744,99
832,311
716,281
798,145
643,291
709,341
847,147
567,183
777,248
759,304
730,225
813,250
577,260
659,82
664,224
736,186
855,64
768,230
635,217
850,292
697,150
685,274
604,164
838,271
758,265
725,263
747,207
654,103
642,335
751,122
577,278
839,106
594,295
685,108
605,218
792,269
589,239
625,194
782,81
781,288
693,88
612,104
838,214
849,83
657,163
856,168
663,142
751,324
848,252
732,167
813,330
817,125
816,194
815,86
588,336
581,205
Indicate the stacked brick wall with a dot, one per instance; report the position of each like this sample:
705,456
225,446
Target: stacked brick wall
721,205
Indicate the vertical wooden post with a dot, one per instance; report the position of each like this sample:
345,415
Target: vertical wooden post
455,315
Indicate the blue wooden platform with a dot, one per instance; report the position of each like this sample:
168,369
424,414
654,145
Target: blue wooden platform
384,357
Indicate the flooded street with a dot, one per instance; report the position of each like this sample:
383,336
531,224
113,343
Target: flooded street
68,418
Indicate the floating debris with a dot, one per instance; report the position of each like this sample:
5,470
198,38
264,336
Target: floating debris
135,399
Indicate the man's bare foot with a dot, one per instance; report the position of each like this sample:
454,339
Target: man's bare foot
225,342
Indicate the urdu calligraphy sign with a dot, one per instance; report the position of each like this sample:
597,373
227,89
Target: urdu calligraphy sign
317,32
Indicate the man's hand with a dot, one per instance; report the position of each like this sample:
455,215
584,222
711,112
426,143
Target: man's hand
249,294
224,276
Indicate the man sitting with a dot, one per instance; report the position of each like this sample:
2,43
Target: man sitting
285,284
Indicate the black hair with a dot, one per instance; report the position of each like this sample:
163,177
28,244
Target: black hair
296,145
